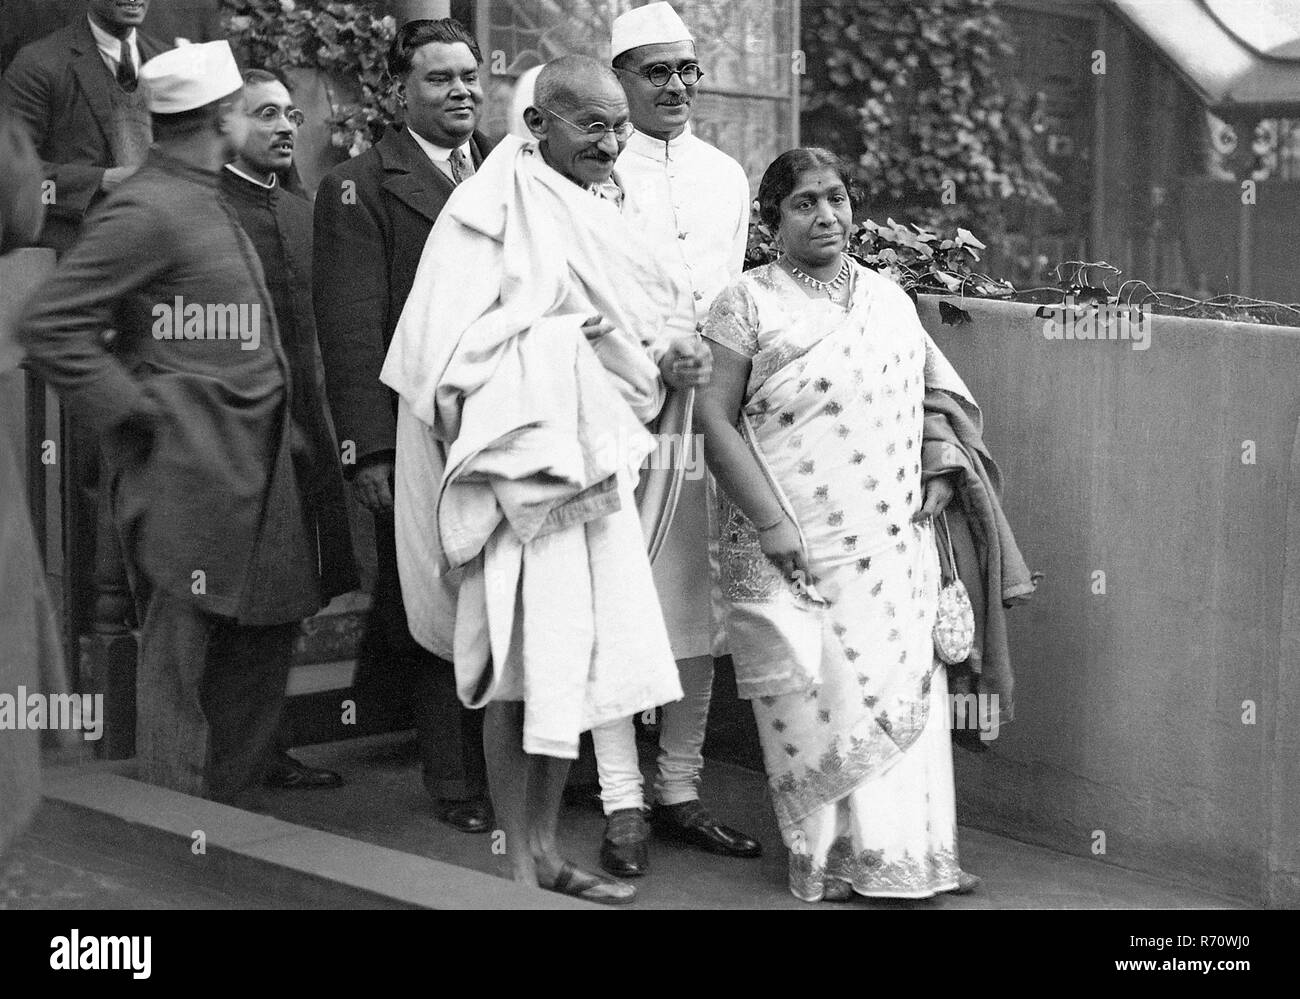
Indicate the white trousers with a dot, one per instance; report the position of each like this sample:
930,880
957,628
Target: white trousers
681,746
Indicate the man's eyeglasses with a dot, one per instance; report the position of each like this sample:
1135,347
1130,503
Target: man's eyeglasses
659,74
270,113
596,130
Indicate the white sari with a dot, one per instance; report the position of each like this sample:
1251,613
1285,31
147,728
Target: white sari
850,702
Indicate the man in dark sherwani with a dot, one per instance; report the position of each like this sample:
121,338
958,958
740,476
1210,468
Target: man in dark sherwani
193,401
279,224
373,216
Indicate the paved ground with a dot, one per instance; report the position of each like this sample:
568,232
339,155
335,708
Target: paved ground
384,803
44,871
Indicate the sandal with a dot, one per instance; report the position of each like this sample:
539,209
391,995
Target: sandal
966,883
597,889
837,890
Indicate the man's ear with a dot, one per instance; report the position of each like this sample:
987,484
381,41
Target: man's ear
537,122
226,111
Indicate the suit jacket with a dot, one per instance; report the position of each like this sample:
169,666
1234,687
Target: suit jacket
373,217
55,86
212,489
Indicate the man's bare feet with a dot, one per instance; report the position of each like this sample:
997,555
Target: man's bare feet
570,880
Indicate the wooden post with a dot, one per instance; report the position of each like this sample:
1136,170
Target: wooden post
1242,162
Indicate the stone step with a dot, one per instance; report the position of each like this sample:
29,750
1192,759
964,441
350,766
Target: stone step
216,846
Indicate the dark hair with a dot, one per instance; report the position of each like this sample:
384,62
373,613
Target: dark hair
252,77
415,34
185,123
782,174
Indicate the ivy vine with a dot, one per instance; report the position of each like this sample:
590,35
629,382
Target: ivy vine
345,41
914,96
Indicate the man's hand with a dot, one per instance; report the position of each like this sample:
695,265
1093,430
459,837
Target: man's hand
114,176
938,493
687,364
596,327
373,485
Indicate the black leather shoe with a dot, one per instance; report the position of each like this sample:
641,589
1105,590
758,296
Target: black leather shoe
691,823
288,774
473,816
624,852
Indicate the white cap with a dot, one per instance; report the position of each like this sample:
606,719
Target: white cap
653,24
188,77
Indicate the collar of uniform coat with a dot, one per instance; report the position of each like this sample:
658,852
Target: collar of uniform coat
179,168
657,149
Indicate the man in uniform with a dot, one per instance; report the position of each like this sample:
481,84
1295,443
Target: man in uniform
192,399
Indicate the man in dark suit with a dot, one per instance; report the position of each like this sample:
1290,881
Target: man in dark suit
373,215
76,91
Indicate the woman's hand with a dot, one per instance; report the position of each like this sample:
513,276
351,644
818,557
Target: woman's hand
939,492
687,364
784,550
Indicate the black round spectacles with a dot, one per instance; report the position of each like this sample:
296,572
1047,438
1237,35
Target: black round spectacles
659,74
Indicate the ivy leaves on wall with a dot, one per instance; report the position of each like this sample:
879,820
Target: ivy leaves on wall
347,42
913,95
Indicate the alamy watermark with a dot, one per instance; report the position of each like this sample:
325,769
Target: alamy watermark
975,712
102,953
181,320
82,713
1100,321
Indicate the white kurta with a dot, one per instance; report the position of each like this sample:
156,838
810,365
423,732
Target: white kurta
695,201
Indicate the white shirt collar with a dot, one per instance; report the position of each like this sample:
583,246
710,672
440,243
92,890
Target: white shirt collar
251,179
110,46
648,145
439,154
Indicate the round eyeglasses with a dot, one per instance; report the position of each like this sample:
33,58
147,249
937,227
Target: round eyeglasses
596,130
270,113
659,74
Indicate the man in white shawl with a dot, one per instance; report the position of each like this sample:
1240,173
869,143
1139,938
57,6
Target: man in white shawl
525,386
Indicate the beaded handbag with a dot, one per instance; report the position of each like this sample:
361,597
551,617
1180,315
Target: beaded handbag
954,625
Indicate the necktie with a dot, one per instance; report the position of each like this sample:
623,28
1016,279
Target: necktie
459,168
126,75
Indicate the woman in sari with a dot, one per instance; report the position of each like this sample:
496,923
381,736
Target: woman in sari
813,429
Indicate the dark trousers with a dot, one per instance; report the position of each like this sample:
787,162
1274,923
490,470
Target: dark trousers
396,670
209,696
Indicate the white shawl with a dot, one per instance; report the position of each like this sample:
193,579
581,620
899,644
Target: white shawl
517,442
